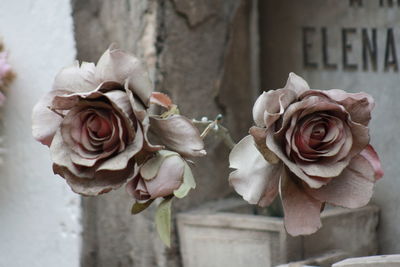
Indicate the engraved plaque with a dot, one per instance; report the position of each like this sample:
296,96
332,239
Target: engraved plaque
347,44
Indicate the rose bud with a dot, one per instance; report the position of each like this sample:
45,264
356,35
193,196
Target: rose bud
163,175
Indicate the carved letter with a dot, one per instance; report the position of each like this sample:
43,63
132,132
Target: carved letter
369,48
347,47
390,51
390,3
325,55
306,47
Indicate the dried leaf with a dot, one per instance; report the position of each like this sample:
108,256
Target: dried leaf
161,99
163,221
173,110
188,183
139,207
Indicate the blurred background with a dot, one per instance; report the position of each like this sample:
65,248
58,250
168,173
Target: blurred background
211,57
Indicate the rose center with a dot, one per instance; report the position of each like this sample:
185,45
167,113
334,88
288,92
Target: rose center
318,132
99,126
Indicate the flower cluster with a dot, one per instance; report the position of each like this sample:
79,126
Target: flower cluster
97,124
309,146
6,77
6,74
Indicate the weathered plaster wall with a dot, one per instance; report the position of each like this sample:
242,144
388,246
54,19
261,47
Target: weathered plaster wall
39,215
200,53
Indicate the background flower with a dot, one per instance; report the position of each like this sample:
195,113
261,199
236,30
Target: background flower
312,147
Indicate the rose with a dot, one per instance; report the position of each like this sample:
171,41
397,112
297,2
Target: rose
166,173
2,99
312,146
5,67
95,121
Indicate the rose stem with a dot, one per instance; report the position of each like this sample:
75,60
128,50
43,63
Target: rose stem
215,127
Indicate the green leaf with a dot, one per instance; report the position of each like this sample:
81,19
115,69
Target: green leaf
188,183
172,111
163,221
139,207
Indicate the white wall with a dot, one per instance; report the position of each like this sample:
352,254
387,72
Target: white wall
39,215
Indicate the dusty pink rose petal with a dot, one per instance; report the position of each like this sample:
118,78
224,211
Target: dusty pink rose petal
254,179
353,188
76,78
302,212
372,157
317,142
161,99
44,121
179,134
115,65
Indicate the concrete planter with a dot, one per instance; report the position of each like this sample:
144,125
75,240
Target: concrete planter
227,233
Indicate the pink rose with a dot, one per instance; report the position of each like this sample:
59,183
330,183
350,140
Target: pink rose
2,99
5,67
312,147
166,173
96,123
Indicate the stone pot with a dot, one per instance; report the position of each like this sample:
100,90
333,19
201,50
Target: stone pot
230,233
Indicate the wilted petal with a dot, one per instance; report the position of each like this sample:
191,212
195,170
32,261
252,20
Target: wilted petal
272,144
76,78
137,188
115,65
100,183
161,99
259,110
259,135
44,121
71,99
120,102
254,178
353,188
120,160
296,84
148,146
302,212
372,157
358,105
361,138
270,106
168,178
61,156
308,106
179,134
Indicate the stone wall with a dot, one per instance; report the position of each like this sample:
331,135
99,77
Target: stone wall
200,53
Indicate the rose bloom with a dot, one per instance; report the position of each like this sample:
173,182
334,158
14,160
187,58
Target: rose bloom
5,67
311,147
96,123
